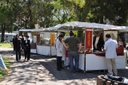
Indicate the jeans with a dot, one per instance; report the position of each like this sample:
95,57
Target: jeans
73,56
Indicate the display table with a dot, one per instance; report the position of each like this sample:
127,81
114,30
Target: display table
33,48
33,51
95,62
46,50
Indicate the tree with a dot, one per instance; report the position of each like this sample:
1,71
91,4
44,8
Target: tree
5,19
30,12
109,11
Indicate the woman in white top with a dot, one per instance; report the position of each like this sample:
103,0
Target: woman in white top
59,48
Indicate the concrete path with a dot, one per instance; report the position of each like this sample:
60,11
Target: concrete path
41,70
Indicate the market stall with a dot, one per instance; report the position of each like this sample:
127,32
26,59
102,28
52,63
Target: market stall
96,60
46,46
42,40
34,37
89,60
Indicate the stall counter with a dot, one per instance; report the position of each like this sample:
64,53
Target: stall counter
33,51
33,48
95,62
46,50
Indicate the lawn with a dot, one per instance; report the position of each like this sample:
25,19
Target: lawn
5,45
2,73
7,62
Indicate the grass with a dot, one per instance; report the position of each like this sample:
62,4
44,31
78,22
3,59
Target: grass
5,45
7,63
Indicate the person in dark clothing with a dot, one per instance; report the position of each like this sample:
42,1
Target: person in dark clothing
22,42
18,48
27,48
98,42
14,43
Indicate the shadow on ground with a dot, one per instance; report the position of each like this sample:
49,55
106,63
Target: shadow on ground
50,64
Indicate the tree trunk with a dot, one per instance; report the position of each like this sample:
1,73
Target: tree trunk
83,17
2,33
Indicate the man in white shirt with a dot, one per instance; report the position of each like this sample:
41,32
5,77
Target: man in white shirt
110,54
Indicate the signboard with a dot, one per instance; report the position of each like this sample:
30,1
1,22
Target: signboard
52,39
88,39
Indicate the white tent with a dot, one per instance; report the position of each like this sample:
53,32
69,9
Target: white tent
91,61
82,25
33,30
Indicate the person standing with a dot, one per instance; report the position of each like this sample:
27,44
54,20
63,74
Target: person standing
59,48
110,54
22,42
66,61
18,48
74,47
27,48
98,42
62,34
14,43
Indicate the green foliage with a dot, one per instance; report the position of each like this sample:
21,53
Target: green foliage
79,3
5,13
27,13
47,13
63,11
110,11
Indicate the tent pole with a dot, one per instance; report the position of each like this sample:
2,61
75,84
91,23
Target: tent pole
84,51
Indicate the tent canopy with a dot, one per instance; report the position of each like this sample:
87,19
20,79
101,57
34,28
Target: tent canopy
34,30
82,25
76,26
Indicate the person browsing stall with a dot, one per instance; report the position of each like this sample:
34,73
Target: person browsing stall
59,48
110,54
74,47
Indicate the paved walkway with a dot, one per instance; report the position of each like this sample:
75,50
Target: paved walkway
41,70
